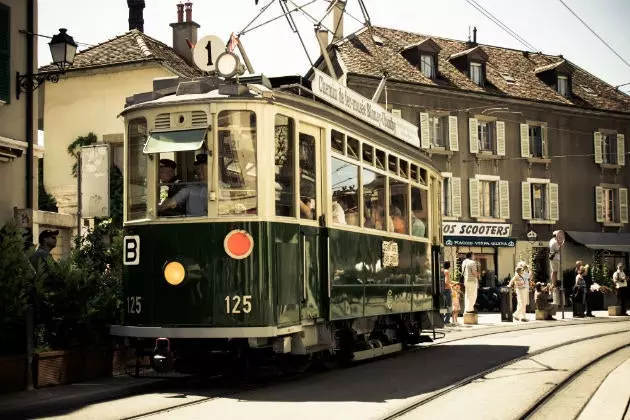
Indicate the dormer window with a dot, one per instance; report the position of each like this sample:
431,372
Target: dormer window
423,56
563,85
471,62
476,73
427,65
557,76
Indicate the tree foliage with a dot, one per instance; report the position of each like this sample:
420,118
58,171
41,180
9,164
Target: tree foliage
75,147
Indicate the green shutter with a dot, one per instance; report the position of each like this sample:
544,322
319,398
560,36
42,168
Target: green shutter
5,47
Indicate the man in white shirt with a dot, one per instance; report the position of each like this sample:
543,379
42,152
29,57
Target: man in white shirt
554,260
621,283
471,282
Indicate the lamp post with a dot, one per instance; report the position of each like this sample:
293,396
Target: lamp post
63,49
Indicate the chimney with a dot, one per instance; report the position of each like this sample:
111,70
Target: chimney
136,19
184,30
338,20
474,35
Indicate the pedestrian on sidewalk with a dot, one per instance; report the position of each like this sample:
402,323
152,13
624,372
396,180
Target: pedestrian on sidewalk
522,293
621,284
579,294
448,294
588,293
471,282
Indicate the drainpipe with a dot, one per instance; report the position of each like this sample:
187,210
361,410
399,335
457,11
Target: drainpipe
30,28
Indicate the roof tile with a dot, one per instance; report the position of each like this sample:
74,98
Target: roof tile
133,46
363,56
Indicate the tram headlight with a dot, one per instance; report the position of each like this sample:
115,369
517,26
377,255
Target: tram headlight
174,273
227,65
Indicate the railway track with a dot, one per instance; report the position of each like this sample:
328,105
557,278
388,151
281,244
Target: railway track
478,376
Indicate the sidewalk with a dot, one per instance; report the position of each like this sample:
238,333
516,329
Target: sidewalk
46,400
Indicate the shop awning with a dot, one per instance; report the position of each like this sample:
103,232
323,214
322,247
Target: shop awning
174,141
610,241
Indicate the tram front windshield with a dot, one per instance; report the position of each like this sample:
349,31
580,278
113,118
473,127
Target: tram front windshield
186,185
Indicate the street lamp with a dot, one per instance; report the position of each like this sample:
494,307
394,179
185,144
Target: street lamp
63,49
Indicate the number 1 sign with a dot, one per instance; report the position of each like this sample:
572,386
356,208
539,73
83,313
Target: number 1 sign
206,51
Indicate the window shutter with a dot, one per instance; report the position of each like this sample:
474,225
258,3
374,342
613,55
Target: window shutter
623,205
554,209
621,149
473,192
545,141
5,59
500,138
424,130
526,200
473,135
524,140
453,141
456,196
599,204
504,199
597,146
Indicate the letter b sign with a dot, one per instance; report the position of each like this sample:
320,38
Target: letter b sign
131,250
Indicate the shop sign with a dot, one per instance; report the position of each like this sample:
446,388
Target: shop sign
478,241
493,230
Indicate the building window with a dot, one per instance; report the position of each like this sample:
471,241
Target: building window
563,85
536,141
488,199
447,199
610,205
476,73
487,138
427,65
609,148
5,56
539,201
451,196
438,127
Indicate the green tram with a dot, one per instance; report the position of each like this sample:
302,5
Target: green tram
291,228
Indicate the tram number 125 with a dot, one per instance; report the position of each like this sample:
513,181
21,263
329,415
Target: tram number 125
236,304
134,304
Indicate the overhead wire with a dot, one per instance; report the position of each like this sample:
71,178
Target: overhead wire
594,33
494,19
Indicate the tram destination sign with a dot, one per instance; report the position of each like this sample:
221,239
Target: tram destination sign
333,92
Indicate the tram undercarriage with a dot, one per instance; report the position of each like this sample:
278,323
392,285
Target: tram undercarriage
325,344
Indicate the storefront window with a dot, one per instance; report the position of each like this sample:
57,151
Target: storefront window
137,170
237,163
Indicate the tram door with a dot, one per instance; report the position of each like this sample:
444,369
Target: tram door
310,205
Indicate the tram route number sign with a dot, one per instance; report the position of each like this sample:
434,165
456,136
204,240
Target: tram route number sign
206,52
131,250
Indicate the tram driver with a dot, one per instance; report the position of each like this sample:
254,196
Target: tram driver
170,184
194,195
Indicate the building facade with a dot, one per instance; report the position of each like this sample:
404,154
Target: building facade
527,143
91,95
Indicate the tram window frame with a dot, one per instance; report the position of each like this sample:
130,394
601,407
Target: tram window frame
353,148
367,154
289,169
338,139
141,169
313,205
335,216
252,130
403,166
392,164
379,159
413,172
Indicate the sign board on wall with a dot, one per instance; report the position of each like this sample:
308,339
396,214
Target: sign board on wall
333,92
95,181
494,230
477,241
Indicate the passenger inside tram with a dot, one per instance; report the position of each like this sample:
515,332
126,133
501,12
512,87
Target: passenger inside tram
193,196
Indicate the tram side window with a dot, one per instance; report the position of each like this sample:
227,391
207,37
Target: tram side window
237,163
345,186
307,176
398,205
137,170
419,213
285,179
374,200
